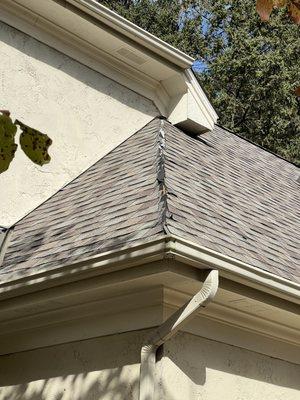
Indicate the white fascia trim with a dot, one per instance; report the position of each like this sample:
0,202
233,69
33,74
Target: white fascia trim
148,251
231,268
200,97
164,77
133,32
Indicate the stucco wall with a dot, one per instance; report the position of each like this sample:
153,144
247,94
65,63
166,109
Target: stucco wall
84,113
97,369
107,368
195,368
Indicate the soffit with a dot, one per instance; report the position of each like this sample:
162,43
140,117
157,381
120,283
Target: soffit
85,31
142,297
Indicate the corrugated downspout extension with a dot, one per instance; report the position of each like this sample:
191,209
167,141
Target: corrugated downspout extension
169,329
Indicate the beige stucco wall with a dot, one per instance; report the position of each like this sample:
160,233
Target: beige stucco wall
107,368
85,113
104,368
195,368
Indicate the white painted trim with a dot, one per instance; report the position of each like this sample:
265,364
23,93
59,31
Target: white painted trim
148,251
217,311
115,313
163,62
134,32
135,299
204,326
191,253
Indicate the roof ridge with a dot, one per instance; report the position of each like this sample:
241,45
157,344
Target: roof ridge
83,172
165,182
161,177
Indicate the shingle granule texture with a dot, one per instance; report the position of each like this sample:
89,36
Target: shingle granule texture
216,190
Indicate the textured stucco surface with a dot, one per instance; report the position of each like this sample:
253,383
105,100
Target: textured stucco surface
85,113
107,368
97,369
195,368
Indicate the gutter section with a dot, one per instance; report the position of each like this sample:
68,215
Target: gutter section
132,31
191,253
166,247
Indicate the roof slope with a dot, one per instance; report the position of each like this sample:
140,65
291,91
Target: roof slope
217,190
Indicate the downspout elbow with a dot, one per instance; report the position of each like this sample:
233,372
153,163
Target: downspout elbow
147,372
169,329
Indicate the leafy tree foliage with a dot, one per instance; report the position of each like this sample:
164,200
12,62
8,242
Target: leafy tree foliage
33,143
250,69
265,8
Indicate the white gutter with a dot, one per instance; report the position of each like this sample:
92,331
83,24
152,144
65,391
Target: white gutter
190,253
149,66
144,252
169,329
132,31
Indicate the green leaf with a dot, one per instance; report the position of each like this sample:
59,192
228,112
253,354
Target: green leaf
8,146
34,144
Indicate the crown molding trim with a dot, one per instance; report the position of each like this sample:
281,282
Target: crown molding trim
132,31
126,54
145,251
137,299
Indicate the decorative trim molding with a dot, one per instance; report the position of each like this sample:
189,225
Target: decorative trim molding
128,302
109,44
134,32
234,317
167,247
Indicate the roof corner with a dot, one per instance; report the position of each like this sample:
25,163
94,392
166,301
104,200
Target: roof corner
120,50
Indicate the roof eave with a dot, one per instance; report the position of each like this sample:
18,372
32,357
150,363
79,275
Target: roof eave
109,44
134,32
147,251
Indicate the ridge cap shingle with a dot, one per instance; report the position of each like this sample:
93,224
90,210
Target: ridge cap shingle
209,189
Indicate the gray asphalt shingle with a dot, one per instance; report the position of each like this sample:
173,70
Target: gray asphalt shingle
217,190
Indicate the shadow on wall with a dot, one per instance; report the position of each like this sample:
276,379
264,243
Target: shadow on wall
111,386
59,61
209,367
101,368
107,368
95,369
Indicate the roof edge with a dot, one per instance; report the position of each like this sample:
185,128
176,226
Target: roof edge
145,251
100,39
233,269
134,32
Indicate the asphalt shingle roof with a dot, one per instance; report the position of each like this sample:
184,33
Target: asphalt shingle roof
217,190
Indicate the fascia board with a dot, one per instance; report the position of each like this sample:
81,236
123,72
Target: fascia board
232,269
189,107
199,93
134,32
164,77
148,251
